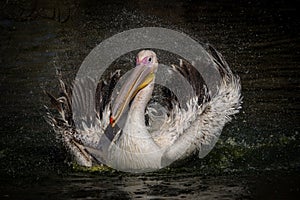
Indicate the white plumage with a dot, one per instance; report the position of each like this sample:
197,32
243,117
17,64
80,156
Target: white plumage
175,133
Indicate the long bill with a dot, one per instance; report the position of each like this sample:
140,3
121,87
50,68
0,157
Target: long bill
140,78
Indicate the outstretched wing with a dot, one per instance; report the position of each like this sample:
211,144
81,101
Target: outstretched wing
83,116
198,126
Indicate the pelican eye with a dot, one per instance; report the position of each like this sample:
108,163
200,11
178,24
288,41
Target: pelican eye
149,59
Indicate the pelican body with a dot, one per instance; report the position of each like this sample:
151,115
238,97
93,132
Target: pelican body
117,133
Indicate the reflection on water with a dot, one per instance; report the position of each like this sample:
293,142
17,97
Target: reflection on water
256,152
254,185
184,185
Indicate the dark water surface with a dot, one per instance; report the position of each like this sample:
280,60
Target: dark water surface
258,154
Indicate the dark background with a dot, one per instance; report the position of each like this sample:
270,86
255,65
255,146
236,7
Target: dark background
258,154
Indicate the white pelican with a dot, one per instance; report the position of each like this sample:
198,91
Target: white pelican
145,141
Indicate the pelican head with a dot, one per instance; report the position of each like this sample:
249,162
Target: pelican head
142,75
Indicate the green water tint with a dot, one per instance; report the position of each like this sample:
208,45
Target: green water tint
228,157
